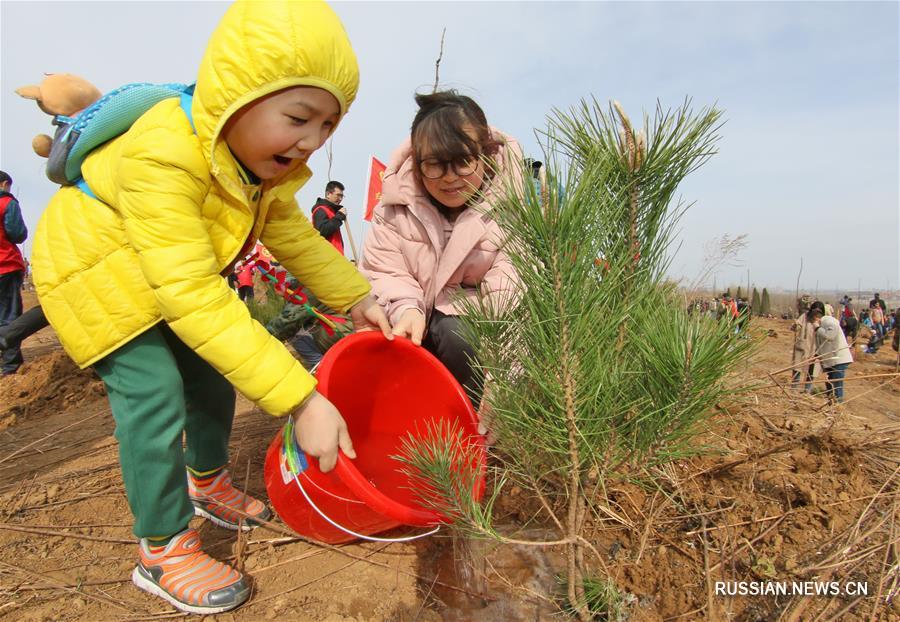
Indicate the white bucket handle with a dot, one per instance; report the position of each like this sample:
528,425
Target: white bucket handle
290,438
353,533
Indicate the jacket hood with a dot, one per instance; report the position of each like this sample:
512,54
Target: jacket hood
401,187
264,46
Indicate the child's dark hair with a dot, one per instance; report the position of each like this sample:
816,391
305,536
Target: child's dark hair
440,125
5,178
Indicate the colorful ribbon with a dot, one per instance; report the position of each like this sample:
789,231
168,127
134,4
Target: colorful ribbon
297,297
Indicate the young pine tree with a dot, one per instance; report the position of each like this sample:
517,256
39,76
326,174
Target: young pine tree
597,372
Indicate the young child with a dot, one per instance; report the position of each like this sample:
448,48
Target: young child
428,242
133,282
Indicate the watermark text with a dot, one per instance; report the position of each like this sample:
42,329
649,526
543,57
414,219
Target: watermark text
791,588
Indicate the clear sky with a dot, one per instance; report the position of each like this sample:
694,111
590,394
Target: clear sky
809,162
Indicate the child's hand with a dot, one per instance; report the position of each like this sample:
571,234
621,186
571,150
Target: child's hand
320,431
411,324
367,314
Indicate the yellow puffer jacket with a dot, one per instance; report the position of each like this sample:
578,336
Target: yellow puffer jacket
174,214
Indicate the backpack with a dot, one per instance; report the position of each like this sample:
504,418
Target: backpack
110,116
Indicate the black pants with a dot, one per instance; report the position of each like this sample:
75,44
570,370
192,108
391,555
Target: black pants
10,309
442,339
245,293
24,326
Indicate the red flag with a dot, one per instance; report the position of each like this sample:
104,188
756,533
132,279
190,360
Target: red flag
263,254
373,186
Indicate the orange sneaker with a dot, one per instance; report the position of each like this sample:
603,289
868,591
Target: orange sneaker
218,499
189,578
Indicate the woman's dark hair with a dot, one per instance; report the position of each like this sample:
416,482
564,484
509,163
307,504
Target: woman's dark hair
440,125
815,312
818,304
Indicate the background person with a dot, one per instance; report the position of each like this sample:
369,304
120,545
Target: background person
833,354
806,367
849,320
876,315
298,325
727,309
12,270
328,215
244,278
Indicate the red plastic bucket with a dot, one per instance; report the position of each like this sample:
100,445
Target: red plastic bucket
385,390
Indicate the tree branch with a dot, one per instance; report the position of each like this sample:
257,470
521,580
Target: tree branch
437,63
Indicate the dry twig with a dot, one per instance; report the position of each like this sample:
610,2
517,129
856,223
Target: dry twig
65,534
52,434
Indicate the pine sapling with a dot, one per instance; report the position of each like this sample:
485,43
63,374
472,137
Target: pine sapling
596,371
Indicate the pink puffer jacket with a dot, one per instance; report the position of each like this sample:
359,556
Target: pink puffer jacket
405,257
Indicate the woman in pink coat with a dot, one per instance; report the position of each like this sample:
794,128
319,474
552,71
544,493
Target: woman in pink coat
433,240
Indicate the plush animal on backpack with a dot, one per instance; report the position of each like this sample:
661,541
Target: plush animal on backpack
59,94
85,118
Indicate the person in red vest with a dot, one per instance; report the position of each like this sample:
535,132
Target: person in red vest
12,269
244,273
328,214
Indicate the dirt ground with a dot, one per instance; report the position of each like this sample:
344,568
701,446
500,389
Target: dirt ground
793,490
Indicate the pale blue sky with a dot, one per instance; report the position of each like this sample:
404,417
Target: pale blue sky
808,162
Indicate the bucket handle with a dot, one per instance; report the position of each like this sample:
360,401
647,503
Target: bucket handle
353,533
289,446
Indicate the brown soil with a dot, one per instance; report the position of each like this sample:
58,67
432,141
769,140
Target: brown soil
795,490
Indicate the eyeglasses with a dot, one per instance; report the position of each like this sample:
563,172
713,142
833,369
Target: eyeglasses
432,168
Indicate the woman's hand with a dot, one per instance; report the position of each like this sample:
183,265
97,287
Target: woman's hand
367,314
321,431
412,325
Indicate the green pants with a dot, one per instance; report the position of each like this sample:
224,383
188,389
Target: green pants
159,391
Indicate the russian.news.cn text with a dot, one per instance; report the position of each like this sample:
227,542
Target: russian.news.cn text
790,588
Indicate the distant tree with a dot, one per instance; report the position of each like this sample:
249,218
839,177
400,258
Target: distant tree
739,294
764,303
754,302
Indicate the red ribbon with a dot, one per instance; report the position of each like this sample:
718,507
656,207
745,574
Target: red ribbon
329,322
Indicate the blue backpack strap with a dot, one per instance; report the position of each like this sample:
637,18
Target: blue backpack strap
82,185
187,97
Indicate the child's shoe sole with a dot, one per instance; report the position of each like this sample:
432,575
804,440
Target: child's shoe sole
241,592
